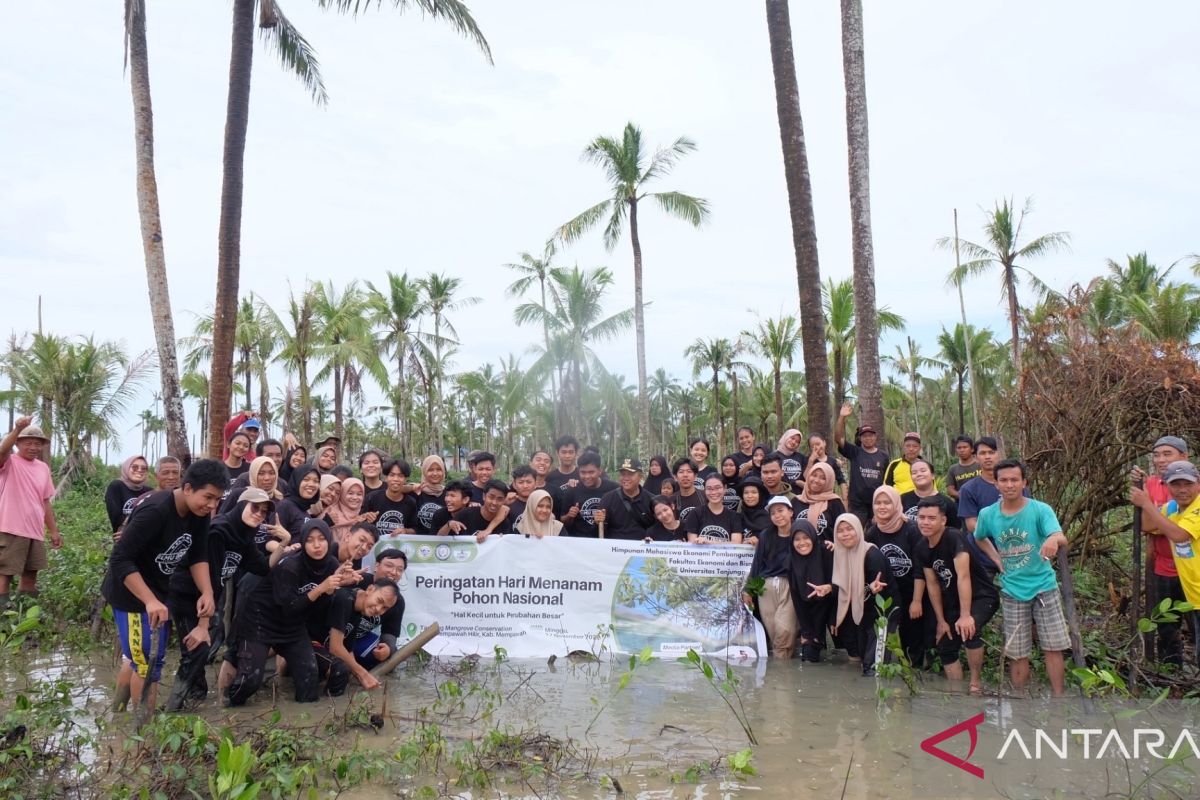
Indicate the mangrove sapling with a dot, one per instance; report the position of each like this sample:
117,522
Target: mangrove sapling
900,668
635,661
724,688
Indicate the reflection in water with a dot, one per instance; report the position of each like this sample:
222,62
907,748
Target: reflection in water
822,728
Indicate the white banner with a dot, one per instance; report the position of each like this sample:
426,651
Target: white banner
538,597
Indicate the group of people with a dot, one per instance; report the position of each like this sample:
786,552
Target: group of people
261,552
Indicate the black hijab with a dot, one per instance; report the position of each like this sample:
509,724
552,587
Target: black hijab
293,489
654,483
811,568
755,516
316,566
285,469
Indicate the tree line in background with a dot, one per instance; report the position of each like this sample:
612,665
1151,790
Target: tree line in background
340,346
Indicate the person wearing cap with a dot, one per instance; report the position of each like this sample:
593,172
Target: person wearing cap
867,463
244,421
232,548
1178,521
898,472
625,512
966,468
1023,536
26,489
773,563
1167,450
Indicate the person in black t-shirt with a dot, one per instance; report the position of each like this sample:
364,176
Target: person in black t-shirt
236,463
583,499
483,520
691,496
483,469
390,565
922,478
965,468
713,523
166,532
566,475
897,538
395,511
624,513
524,481
370,467
666,527
120,496
753,507
729,473
354,614
960,589
745,451
867,463
698,451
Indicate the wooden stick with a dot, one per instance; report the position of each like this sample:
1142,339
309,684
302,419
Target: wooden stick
1068,592
1135,603
600,527
419,641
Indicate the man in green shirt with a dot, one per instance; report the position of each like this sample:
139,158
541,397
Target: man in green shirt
1022,536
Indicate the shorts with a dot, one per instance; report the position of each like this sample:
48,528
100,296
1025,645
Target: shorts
20,554
1019,615
982,611
133,629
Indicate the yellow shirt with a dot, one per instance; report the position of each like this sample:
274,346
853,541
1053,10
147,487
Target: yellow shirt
1187,560
899,475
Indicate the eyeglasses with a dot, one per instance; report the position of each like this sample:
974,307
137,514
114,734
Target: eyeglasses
260,508
139,468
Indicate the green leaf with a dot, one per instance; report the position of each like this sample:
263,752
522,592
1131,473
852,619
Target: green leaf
708,670
1146,626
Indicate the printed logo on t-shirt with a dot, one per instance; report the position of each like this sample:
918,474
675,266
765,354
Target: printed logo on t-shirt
306,588
389,522
232,562
425,514
1014,548
899,560
943,572
517,521
588,509
685,513
169,559
363,628
910,513
125,509
731,498
820,523
262,535
714,532
792,469
1184,550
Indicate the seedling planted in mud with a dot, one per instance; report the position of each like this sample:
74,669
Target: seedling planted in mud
725,688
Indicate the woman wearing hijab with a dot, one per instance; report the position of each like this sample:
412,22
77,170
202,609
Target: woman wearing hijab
430,497
120,495
538,519
793,459
896,537
657,472
819,504
325,459
304,490
729,474
276,613
772,563
754,504
231,549
347,511
295,456
818,453
812,588
330,492
860,573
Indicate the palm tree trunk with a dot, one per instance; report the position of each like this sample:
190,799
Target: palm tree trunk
229,236
1010,280
800,205
152,240
866,332
436,434
962,421
246,373
305,401
639,322
778,376
962,307
264,402
338,388
401,396
716,406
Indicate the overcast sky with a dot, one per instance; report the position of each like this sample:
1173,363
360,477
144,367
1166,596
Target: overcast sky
427,158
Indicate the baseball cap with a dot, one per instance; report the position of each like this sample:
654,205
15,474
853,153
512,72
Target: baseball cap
867,429
1181,471
252,424
1172,441
779,500
631,465
916,437
256,495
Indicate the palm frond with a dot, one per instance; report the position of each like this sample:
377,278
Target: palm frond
693,210
295,53
454,12
665,159
584,222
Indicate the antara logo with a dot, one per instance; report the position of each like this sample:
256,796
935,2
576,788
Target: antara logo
971,726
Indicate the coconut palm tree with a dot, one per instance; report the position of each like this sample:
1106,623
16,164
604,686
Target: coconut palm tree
576,320
195,386
800,206
1170,313
663,389
531,268
298,57
151,229
629,168
866,329
397,309
712,355
1004,249
347,345
837,300
776,340
440,298
298,336
960,350
909,364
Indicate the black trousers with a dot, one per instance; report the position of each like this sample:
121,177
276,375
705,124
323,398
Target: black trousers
1170,643
333,669
190,681
252,658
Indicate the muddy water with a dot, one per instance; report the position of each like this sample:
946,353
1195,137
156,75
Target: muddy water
823,730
